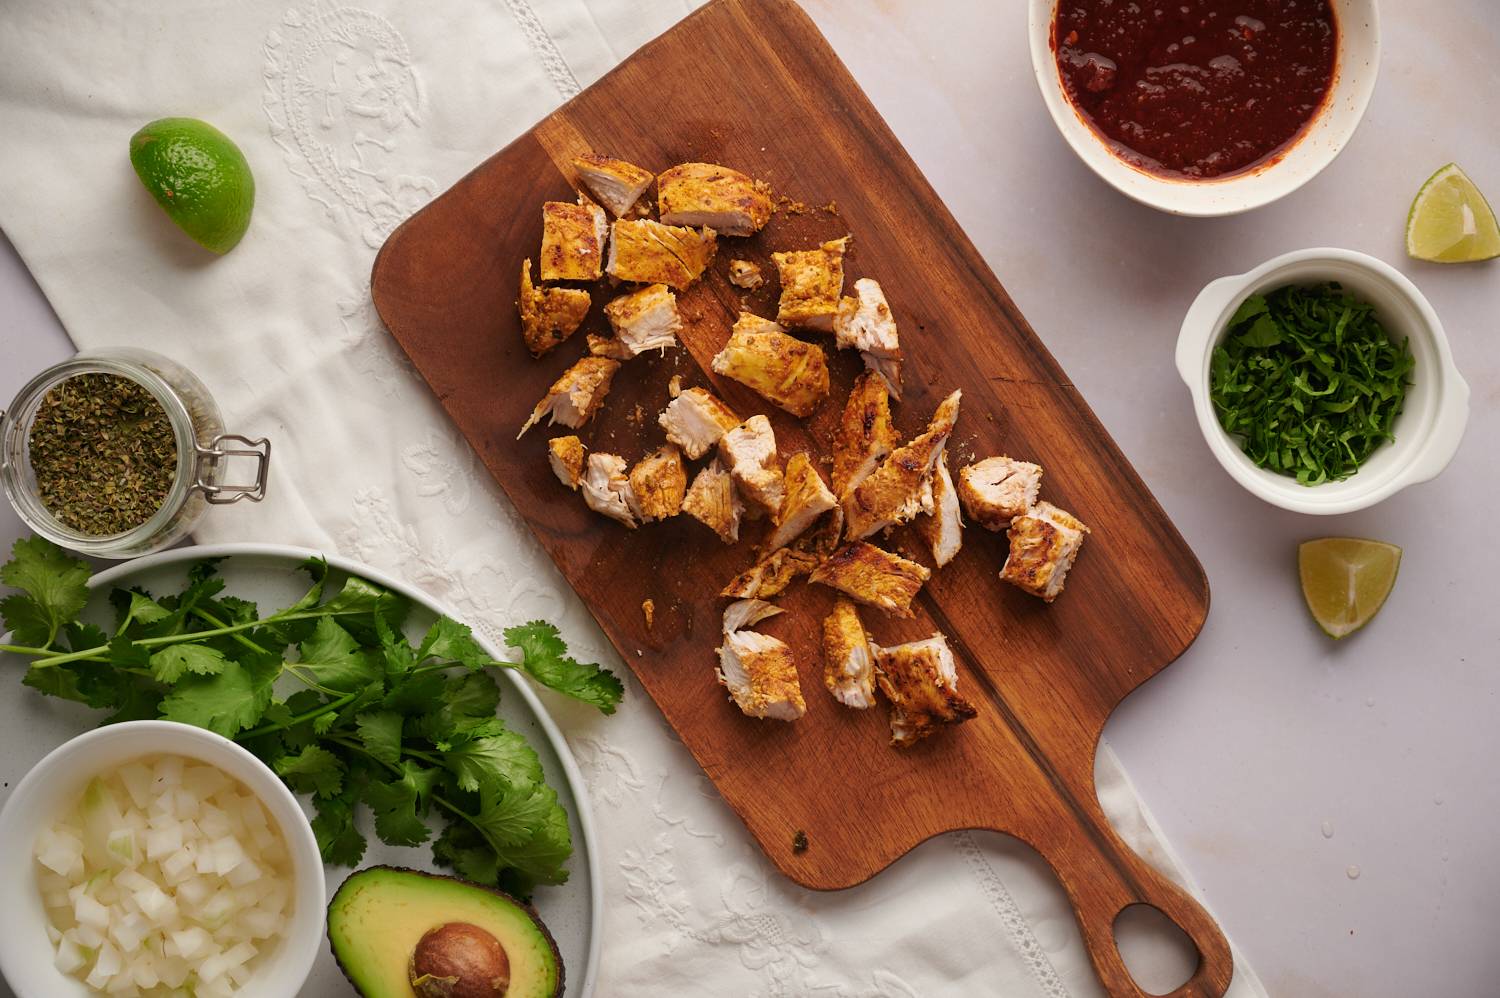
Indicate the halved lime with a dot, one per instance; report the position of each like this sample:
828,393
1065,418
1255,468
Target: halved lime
1450,221
199,177
1345,580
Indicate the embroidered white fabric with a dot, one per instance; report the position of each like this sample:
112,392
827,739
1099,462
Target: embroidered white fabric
353,117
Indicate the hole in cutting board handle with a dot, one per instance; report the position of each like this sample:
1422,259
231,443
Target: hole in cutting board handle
1159,955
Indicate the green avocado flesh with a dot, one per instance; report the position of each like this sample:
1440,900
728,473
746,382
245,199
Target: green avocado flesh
378,916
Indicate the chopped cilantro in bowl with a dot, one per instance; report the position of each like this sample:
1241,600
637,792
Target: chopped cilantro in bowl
1308,382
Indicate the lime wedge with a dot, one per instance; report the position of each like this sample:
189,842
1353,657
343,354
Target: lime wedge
198,176
1450,221
1345,580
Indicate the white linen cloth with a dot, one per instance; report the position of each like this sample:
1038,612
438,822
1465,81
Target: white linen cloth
352,117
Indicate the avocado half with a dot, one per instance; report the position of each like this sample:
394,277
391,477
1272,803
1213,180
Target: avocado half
382,914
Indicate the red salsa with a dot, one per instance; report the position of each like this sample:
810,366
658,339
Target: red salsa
1196,88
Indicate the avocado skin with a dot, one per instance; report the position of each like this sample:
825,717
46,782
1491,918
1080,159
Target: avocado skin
530,912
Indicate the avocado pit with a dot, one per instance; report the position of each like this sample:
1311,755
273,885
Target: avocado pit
459,960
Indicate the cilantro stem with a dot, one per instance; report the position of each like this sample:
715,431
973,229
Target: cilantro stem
327,708
25,650
173,639
205,615
435,798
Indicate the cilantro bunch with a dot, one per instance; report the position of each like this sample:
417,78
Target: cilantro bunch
329,693
1309,381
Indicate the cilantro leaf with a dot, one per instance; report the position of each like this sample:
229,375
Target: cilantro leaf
395,806
450,640
314,770
363,607
544,657
511,815
173,661
540,858
462,849
228,702
53,588
336,660
381,733
339,841
504,758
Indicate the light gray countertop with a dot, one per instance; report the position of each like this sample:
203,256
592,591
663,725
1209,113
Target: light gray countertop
1265,737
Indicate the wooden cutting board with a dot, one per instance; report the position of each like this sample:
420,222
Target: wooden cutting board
753,85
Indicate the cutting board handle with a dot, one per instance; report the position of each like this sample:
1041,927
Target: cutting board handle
1103,876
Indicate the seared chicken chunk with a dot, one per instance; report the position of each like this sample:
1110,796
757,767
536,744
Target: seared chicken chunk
811,283
865,435
757,669
695,420
997,489
725,200
618,185
1043,543
744,274
566,454
713,501
772,574
647,252
920,680
807,498
749,450
645,320
576,396
573,238
897,490
609,346
848,661
606,488
873,576
943,530
865,323
658,483
779,367
548,315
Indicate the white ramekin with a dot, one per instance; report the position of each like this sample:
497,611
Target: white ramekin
1431,423
56,782
1358,61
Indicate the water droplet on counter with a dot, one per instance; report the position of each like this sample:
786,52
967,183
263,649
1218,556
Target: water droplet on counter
1352,873
1328,829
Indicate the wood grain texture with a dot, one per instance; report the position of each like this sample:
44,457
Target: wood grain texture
753,85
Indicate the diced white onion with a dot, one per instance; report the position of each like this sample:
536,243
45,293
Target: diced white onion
167,871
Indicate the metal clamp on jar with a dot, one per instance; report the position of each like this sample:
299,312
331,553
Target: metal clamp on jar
204,453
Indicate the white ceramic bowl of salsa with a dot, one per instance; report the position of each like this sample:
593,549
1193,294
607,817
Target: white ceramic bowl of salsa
1356,64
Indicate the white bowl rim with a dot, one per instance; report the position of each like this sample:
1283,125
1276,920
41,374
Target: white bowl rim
1202,327
1173,195
296,953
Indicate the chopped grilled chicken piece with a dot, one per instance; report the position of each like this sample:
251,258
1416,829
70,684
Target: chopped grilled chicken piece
749,450
998,489
920,679
772,574
609,346
873,576
865,435
865,323
895,492
573,238
647,252
576,396
757,669
548,315
645,320
1043,543
848,661
695,420
566,457
713,502
943,529
606,488
658,483
811,283
617,184
674,387
725,200
807,498
781,368
744,274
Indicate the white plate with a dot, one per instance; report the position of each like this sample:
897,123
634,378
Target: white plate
31,725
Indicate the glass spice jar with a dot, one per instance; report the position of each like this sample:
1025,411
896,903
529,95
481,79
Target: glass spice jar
204,452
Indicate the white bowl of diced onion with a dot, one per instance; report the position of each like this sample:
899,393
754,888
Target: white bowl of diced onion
199,831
